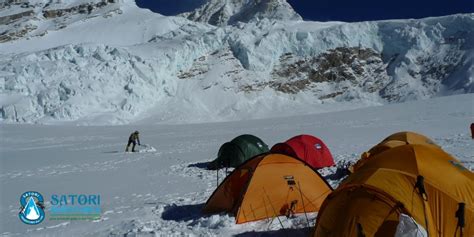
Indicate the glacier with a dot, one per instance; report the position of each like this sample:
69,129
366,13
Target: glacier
121,64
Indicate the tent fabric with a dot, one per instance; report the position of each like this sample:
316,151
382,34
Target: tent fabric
308,148
410,137
267,186
237,151
343,216
395,172
399,139
394,140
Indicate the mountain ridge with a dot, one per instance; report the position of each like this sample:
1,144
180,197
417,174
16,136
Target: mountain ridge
230,12
136,65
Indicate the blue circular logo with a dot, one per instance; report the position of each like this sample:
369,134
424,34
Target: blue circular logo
32,208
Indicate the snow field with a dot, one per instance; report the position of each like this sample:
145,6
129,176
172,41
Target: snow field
161,192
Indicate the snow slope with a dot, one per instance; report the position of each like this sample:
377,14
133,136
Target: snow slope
123,24
121,64
161,192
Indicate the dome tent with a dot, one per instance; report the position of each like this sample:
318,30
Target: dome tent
267,186
399,139
308,148
394,140
421,181
237,151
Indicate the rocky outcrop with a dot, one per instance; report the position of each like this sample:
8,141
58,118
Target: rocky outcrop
342,67
23,23
14,17
79,9
16,33
229,12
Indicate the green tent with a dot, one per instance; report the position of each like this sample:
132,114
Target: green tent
237,151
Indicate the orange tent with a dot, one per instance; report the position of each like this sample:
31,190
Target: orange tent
267,186
394,140
421,181
358,210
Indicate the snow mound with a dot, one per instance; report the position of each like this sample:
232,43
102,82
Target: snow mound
146,148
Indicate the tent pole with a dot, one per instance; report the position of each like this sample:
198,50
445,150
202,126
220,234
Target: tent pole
424,198
302,201
426,219
273,208
217,176
266,212
269,224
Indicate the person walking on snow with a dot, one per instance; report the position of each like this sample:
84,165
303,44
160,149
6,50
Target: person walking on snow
133,139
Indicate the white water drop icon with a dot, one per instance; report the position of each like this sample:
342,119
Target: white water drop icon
31,211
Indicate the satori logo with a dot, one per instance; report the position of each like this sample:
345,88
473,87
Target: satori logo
75,207
32,208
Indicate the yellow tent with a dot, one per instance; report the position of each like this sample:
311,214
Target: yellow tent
394,140
267,186
422,181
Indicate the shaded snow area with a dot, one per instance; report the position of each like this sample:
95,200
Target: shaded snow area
161,190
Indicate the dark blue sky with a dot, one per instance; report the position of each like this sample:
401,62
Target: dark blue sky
339,10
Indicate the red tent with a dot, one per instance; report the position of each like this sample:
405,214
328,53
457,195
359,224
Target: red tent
308,148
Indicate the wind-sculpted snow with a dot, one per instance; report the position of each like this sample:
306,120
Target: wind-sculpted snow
172,70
